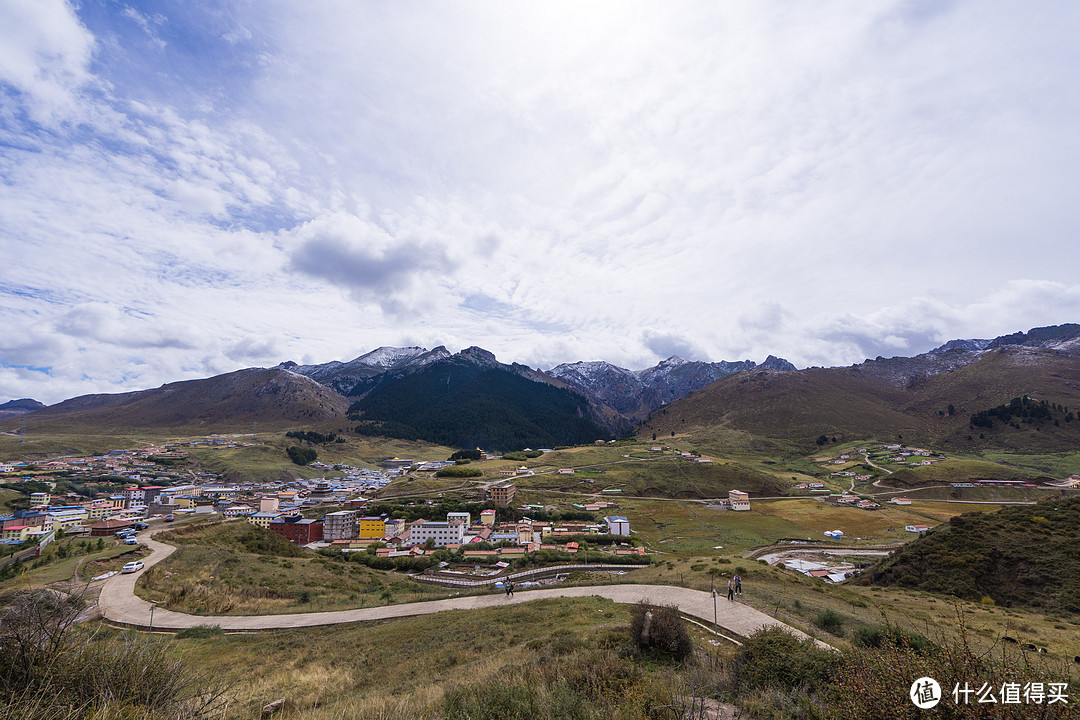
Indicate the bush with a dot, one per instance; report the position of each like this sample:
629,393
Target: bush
51,670
774,659
302,456
872,682
459,472
660,628
830,621
875,636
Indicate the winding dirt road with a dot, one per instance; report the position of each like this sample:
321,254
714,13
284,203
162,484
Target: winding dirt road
119,604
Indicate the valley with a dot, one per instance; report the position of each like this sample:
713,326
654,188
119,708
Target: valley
844,499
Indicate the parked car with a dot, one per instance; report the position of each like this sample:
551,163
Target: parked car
169,517
141,526
131,540
134,566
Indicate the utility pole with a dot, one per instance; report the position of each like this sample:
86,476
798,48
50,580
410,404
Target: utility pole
254,427
22,431
716,627
153,604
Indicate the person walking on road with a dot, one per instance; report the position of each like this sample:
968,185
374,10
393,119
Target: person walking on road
730,590
738,585
510,588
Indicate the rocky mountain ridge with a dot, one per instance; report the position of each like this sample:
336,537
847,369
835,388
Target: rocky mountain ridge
635,394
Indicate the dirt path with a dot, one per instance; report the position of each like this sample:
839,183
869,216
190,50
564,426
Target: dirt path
119,604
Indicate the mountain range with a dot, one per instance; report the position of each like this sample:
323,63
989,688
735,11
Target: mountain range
931,397
424,394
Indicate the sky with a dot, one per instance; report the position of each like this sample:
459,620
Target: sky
191,187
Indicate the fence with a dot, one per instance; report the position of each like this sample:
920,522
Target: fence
524,574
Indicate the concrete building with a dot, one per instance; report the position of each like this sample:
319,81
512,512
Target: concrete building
340,525
262,519
40,498
268,504
15,533
442,533
298,529
395,527
68,518
487,517
461,517
372,528
738,500
617,525
502,494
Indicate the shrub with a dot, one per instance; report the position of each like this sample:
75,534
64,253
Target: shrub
459,472
301,455
830,621
774,659
872,682
51,670
874,636
660,628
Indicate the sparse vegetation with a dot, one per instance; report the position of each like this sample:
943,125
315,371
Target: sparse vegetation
1006,556
52,670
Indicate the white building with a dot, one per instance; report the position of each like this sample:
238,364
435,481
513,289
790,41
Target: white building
738,500
442,533
617,525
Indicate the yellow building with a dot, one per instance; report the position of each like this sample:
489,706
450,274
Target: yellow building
17,532
372,528
262,519
100,511
64,519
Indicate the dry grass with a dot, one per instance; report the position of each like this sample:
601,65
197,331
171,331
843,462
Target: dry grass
357,671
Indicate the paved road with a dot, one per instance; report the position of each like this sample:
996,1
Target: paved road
119,604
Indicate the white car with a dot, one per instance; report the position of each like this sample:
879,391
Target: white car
131,567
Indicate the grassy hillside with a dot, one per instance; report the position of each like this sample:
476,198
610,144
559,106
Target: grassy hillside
235,568
855,403
789,405
957,470
1027,556
230,402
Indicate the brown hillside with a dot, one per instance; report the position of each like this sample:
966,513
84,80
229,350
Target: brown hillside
854,404
231,401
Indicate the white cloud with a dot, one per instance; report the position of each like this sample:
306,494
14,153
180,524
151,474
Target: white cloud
551,181
45,54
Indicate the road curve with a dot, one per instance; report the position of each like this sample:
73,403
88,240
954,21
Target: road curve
119,604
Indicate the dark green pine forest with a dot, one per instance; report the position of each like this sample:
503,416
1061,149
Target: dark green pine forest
465,405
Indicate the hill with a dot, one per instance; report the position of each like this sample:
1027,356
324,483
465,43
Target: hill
930,399
342,377
469,400
634,394
19,407
231,401
1025,556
